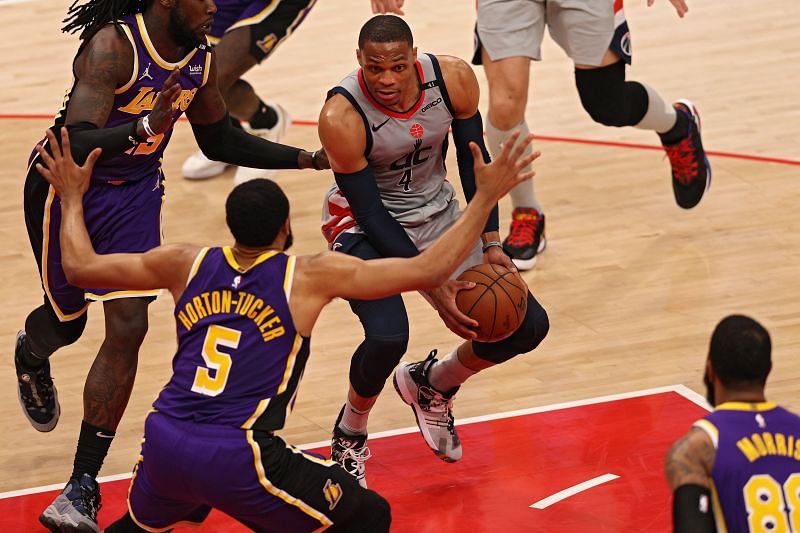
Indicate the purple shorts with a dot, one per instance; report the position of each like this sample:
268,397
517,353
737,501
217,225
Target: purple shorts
120,218
186,469
271,21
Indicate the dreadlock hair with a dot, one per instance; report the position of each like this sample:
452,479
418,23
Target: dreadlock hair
385,29
92,15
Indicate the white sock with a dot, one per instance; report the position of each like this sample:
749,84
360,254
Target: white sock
660,115
448,373
354,421
522,195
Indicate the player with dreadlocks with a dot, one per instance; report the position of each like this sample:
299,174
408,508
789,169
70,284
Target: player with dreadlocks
140,65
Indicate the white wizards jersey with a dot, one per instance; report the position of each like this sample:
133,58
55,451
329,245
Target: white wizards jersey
406,153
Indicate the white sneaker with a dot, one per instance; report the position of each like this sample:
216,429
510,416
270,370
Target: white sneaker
432,409
274,134
198,167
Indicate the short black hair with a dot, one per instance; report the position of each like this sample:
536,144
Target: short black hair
256,211
385,29
740,352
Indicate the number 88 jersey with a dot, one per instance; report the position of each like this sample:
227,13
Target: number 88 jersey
756,472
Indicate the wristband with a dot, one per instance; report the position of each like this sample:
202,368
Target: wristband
490,244
314,163
146,125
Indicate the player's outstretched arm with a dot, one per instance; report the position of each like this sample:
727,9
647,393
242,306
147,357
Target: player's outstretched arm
688,470
680,6
220,141
162,267
332,274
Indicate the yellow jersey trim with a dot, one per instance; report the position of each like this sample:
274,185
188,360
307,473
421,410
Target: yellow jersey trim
48,206
151,49
227,251
719,518
255,19
746,406
288,279
287,374
196,264
710,429
207,70
275,491
262,406
131,81
115,295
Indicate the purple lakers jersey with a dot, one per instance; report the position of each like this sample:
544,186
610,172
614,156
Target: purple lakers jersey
756,472
239,358
136,98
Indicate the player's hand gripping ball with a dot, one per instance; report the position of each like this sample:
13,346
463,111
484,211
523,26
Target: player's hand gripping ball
498,301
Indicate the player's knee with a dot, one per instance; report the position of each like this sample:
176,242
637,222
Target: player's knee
602,93
507,111
374,361
47,333
126,324
529,335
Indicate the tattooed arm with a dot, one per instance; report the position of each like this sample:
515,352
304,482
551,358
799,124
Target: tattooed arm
688,470
103,64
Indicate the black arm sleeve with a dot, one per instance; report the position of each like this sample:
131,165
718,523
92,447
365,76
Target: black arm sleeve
468,130
220,141
85,137
383,232
691,510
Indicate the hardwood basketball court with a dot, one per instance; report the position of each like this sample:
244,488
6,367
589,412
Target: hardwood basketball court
633,284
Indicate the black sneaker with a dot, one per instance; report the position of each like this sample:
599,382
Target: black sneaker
525,237
350,451
691,173
37,394
75,509
432,409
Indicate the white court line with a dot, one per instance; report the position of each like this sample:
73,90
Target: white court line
682,390
544,503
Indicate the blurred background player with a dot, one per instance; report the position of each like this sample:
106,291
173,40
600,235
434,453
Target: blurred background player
738,468
595,35
140,66
238,307
385,130
245,33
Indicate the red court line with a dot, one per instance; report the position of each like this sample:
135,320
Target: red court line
546,138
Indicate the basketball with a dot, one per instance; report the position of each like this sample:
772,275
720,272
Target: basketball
498,301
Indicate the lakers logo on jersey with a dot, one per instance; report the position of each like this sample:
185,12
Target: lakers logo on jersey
333,493
145,99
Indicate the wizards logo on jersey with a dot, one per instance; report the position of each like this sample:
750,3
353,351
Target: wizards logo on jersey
416,157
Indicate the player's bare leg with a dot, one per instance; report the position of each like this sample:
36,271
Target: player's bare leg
509,80
105,396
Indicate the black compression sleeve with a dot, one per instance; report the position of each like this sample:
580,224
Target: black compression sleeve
220,141
383,232
85,137
691,510
468,130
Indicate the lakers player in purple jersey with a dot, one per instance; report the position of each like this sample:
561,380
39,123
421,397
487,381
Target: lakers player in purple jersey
385,130
139,67
738,468
244,315
244,34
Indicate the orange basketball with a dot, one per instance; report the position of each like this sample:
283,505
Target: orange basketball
498,301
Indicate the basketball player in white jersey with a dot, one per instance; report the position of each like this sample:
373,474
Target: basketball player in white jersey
385,129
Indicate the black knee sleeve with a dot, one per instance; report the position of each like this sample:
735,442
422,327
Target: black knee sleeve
373,363
373,515
530,333
124,525
608,98
46,333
